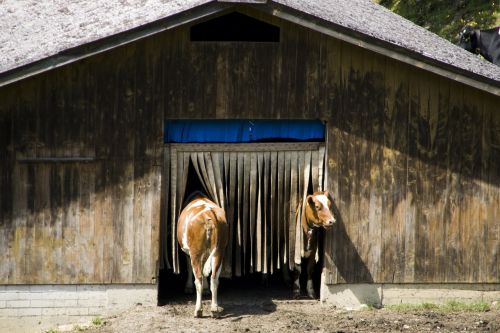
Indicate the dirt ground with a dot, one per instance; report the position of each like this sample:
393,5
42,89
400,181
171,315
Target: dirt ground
270,310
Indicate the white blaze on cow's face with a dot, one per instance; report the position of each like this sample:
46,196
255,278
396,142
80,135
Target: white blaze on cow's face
321,206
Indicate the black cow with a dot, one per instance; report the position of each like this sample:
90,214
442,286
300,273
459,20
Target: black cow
483,42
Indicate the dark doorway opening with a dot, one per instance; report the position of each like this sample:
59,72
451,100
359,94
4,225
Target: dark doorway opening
257,183
235,27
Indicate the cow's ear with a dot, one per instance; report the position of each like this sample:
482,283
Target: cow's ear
329,196
310,201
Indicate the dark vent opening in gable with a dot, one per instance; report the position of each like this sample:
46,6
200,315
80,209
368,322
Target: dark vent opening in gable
235,27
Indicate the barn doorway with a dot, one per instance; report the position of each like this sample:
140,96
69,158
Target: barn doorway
261,184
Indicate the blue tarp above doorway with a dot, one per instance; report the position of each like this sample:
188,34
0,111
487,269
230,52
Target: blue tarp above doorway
239,131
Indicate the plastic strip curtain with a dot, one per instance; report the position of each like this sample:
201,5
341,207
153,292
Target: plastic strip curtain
263,194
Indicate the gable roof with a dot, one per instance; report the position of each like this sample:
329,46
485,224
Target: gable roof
36,36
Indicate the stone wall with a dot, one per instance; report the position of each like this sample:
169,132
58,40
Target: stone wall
32,308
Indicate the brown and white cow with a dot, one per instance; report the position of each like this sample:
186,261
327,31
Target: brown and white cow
318,214
202,232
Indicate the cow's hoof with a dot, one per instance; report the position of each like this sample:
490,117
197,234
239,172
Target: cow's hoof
311,294
216,311
198,313
296,294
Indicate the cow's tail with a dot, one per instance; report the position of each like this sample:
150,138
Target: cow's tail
220,216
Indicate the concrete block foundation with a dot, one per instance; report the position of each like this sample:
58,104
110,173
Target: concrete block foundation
35,308
355,296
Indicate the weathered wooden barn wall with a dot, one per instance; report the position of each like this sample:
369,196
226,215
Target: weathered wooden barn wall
413,158
415,163
81,173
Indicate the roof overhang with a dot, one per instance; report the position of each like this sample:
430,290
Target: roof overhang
80,52
385,48
213,8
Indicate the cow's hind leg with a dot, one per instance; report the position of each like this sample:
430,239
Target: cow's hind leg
198,282
214,284
189,287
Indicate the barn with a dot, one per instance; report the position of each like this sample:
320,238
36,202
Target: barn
111,111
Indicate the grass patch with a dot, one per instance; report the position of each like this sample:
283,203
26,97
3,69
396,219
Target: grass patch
412,307
98,322
472,307
450,306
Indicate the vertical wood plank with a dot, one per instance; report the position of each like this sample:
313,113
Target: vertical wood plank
333,112
174,208
129,227
292,208
233,222
210,173
347,176
394,203
31,265
265,213
412,193
218,172
374,67
280,212
239,174
87,223
71,220
471,184
331,255
287,210
6,219
42,240
140,217
304,172
246,212
108,220
314,168
454,266
441,180
253,209
491,172
98,213
153,220
273,205
165,212
259,215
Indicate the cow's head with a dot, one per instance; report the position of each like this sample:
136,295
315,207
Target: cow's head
468,39
319,210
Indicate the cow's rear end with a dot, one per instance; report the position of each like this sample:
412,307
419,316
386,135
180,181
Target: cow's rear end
202,233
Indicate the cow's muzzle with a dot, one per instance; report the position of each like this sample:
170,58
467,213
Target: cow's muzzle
330,223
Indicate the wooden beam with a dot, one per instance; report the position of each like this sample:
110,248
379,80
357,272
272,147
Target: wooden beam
56,159
246,147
